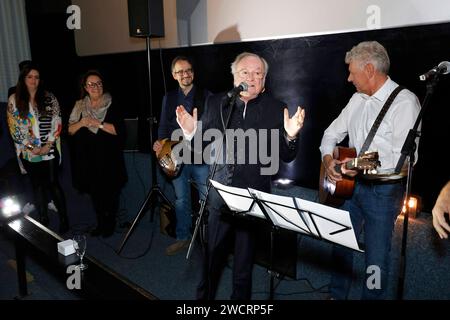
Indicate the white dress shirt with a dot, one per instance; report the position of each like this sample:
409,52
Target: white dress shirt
358,116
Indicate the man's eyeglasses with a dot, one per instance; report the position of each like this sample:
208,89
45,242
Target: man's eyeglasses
181,72
92,85
245,74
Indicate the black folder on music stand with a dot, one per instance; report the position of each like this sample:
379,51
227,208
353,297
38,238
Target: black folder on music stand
291,213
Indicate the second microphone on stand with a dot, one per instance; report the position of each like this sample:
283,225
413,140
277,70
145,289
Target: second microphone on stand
441,68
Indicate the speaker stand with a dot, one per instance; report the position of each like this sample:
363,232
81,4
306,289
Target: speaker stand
155,191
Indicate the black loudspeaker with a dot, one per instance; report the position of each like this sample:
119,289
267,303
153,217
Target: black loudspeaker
146,18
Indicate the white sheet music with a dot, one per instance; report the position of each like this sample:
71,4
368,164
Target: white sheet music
238,199
283,213
294,214
331,221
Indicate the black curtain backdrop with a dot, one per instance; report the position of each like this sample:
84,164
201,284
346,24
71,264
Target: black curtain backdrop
308,71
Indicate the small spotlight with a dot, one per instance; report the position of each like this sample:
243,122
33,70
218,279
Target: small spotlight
284,181
10,208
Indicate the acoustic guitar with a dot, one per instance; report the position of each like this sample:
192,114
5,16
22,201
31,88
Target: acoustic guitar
335,195
166,161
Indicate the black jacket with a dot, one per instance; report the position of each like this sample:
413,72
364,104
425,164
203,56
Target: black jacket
263,112
97,159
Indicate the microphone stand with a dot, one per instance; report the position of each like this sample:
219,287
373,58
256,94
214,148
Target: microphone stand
408,150
199,220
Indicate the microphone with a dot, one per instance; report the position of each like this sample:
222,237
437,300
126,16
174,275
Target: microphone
236,90
441,68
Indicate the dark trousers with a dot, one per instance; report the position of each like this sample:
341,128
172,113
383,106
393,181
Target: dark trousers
12,181
224,232
45,182
375,207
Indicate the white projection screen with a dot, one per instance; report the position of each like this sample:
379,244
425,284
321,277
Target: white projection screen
104,23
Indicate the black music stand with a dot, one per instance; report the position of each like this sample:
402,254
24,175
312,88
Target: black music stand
281,212
155,192
273,230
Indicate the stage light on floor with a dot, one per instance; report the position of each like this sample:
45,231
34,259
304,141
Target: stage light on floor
10,208
283,181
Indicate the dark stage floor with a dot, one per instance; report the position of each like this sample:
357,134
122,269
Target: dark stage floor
144,262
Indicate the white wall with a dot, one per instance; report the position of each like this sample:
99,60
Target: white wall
14,43
104,23
266,19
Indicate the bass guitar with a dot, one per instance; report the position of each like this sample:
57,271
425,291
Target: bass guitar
166,161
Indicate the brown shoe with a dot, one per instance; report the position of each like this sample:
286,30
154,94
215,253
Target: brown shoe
176,247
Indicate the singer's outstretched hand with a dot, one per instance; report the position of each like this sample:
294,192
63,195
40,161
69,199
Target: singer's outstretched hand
442,207
294,124
186,121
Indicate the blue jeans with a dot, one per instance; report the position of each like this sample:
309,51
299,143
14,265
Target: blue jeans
376,207
182,186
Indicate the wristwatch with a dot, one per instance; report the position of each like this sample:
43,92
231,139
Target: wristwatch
101,126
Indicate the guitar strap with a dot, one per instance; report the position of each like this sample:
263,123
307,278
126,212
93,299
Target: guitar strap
378,120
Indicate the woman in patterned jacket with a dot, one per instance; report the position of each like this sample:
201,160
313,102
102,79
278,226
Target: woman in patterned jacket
34,121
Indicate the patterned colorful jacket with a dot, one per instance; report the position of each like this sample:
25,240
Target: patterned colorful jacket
36,129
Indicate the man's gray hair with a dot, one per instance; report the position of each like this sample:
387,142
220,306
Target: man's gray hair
245,55
369,52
